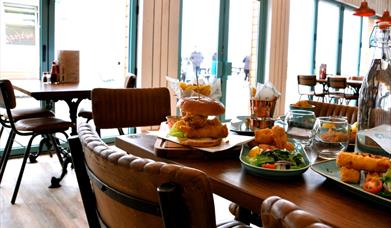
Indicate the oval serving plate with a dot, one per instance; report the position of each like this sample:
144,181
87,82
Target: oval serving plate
272,172
330,170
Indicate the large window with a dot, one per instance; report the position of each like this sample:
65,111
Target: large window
327,36
19,39
300,49
350,43
325,32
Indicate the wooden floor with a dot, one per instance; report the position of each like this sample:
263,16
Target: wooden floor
40,206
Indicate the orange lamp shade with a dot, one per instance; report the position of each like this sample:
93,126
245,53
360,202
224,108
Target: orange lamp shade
385,17
364,10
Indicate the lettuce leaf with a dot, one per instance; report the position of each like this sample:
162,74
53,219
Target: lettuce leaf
176,132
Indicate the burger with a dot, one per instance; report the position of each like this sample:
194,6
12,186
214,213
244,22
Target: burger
199,126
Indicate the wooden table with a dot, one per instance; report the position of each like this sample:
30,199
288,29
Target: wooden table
311,191
71,93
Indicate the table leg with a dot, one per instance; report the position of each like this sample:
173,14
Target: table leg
73,105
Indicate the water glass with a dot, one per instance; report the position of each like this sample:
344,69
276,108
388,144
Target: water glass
331,136
299,125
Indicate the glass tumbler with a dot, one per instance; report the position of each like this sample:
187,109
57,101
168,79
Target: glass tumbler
331,136
299,125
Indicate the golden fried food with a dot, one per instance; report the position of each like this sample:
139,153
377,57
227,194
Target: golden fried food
363,161
264,136
279,136
302,104
212,129
201,89
334,136
266,147
289,146
349,175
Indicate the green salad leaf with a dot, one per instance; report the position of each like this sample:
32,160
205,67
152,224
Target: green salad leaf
295,158
176,132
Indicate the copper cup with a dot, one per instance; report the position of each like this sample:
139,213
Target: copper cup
262,109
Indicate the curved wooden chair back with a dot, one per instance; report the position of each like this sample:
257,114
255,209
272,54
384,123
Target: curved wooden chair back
336,82
137,107
7,100
280,213
130,191
306,80
328,109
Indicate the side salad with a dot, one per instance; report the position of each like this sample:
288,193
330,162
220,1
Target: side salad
278,159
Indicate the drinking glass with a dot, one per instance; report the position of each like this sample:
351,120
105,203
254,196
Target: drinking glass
299,125
331,136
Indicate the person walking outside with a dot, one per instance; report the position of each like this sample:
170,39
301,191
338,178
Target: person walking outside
246,67
196,58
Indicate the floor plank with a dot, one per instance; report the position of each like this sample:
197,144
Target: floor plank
40,206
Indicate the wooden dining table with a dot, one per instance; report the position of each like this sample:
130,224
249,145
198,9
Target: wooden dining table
310,191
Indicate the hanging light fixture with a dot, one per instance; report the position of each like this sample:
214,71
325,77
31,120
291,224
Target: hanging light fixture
385,17
364,10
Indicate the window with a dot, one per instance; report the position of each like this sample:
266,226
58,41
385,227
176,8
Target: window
350,43
327,36
19,33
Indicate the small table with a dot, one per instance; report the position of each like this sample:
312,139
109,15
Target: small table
71,93
311,191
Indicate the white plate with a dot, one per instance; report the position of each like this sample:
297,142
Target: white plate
230,141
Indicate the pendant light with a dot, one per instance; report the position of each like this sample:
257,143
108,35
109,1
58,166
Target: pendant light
385,17
364,10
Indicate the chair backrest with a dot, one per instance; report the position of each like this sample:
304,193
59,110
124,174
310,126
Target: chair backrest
130,81
137,107
281,213
7,101
125,187
327,109
307,80
336,82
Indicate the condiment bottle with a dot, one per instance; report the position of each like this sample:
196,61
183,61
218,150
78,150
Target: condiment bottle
54,73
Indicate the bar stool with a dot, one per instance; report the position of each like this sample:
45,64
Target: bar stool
33,127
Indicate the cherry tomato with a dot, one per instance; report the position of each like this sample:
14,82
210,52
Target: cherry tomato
269,166
373,185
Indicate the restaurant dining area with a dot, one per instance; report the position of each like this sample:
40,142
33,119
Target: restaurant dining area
195,113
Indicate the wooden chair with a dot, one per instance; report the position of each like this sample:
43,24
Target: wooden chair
33,127
130,82
277,212
123,108
122,190
336,88
307,85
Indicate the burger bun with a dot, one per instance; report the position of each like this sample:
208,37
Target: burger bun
200,142
201,106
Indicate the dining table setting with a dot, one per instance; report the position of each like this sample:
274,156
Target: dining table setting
255,160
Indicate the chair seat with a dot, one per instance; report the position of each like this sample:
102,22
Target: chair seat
43,125
85,113
19,114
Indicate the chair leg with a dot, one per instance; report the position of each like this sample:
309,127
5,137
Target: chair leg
121,132
55,182
19,180
1,131
54,142
6,153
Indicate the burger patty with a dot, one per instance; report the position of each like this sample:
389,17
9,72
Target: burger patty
212,129
195,121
